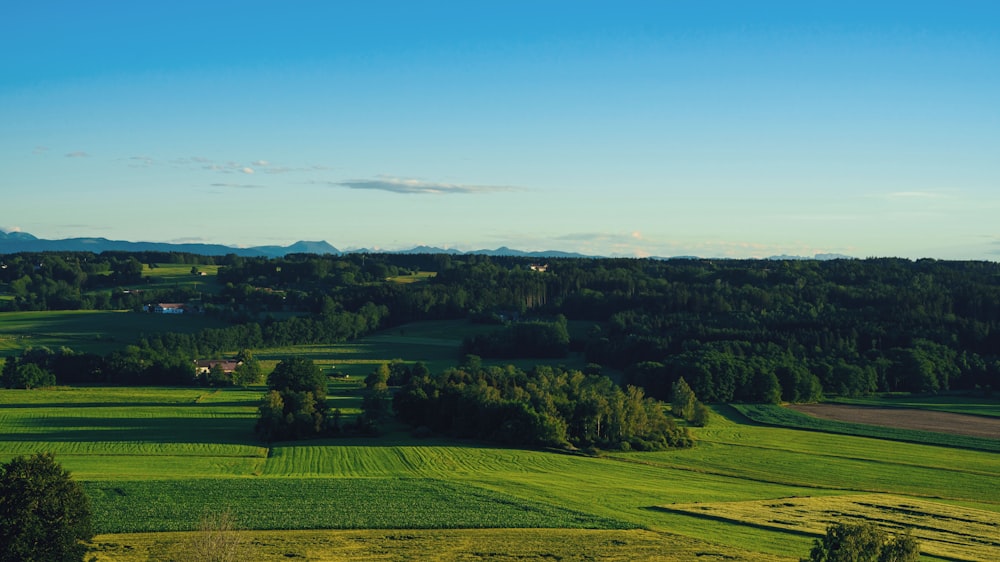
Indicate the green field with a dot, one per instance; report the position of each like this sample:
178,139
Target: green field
954,403
90,331
437,344
179,275
418,277
156,459
773,414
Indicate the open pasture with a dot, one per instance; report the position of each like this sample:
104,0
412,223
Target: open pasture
90,331
113,433
437,344
954,533
156,459
417,277
179,275
358,358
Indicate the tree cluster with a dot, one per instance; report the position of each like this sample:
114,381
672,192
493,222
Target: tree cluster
18,373
544,407
84,280
535,339
295,405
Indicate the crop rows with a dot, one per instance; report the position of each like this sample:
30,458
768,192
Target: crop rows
315,503
956,533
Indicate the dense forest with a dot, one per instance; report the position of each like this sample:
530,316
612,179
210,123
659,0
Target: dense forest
544,407
735,330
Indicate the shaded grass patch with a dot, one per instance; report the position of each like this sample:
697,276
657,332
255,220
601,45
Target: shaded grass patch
324,503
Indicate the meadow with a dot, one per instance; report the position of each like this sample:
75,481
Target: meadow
786,417
179,275
156,460
90,331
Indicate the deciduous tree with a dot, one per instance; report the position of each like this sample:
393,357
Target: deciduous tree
863,542
44,514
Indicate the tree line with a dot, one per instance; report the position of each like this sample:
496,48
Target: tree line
752,330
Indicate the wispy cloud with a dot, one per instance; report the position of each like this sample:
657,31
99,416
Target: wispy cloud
238,185
141,161
77,154
40,150
411,186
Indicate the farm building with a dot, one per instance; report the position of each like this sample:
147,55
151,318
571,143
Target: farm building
169,308
205,365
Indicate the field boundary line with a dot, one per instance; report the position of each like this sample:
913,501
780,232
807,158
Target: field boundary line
862,459
658,464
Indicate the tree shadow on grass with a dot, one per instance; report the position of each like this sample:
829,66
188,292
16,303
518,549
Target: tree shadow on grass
734,415
222,430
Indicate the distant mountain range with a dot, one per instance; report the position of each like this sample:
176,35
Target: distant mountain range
14,242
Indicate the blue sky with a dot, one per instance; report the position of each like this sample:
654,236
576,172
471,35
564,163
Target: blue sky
717,129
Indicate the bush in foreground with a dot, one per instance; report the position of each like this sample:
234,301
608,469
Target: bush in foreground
44,514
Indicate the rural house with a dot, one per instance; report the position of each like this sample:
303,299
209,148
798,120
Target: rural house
169,308
203,366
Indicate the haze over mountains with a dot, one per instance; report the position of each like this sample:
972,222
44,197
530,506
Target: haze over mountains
14,242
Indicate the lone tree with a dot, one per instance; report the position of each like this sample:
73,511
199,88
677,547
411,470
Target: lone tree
44,514
863,542
682,399
295,406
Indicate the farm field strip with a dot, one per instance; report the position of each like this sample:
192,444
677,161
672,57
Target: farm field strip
785,417
323,503
131,449
722,432
979,466
907,419
806,470
437,544
180,448
945,531
957,404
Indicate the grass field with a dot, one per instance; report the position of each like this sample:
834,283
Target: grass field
437,344
418,277
156,459
179,275
955,403
89,330
953,533
780,416
439,544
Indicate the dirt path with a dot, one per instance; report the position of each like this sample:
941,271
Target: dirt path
906,418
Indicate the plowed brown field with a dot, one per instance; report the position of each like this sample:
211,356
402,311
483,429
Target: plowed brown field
906,418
